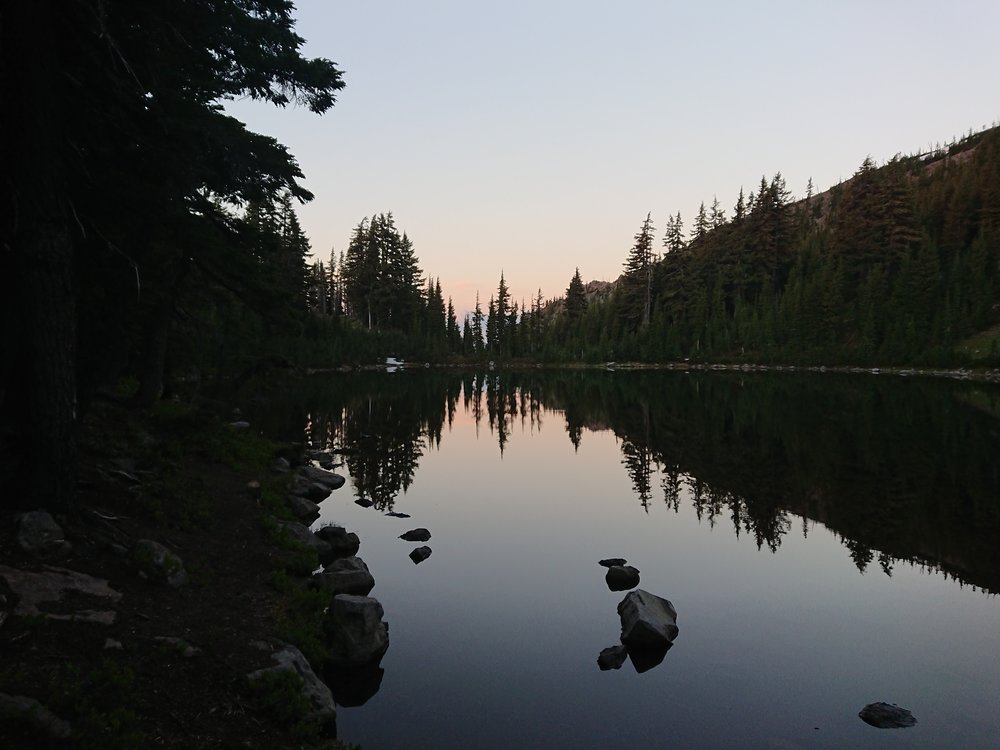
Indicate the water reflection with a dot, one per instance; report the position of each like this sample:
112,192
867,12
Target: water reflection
901,470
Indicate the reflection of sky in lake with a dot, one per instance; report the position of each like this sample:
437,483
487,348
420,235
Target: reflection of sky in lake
494,639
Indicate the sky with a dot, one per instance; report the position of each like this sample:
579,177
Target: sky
532,138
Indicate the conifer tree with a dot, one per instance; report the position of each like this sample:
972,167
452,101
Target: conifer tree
701,223
637,283
576,297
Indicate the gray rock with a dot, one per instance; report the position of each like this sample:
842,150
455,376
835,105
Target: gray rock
622,577
305,510
394,514
110,644
19,709
886,716
302,487
342,542
320,476
159,564
420,554
30,590
304,536
364,502
416,535
39,534
612,657
290,659
357,634
612,561
648,620
348,575
280,465
240,425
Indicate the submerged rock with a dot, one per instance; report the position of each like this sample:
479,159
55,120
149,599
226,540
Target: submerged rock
644,658
622,577
886,716
420,554
416,535
357,634
364,502
612,657
647,620
348,575
354,686
394,514
611,561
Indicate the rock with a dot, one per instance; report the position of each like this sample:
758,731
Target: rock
281,465
420,554
644,658
416,535
301,487
364,502
110,644
27,712
394,514
886,716
348,575
304,510
612,561
159,564
647,620
342,542
357,634
304,536
240,425
32,589
253,487
290,659
320,476
354,686
39,534
622,577
612,657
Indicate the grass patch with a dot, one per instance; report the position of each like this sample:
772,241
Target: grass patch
98,704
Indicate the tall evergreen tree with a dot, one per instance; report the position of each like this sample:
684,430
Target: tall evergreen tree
576,297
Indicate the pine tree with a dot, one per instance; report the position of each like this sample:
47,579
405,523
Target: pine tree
576,297
637,283
701,223
673,240
717,217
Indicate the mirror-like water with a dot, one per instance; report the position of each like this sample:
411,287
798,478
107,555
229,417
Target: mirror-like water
827,542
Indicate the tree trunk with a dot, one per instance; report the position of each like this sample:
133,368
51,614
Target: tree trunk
40,398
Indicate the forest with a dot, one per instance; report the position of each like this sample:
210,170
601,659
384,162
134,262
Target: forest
899,265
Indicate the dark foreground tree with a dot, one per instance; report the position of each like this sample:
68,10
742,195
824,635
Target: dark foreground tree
121,176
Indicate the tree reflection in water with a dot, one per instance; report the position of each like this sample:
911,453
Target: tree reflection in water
900,469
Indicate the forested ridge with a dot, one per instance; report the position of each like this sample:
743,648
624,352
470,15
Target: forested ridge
900,264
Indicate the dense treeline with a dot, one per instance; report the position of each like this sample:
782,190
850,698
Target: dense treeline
897,265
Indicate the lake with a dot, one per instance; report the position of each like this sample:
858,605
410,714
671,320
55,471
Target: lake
828,541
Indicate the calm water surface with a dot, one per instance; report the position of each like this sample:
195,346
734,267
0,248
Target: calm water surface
827,542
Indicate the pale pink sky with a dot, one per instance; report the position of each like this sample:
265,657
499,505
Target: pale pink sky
533,137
